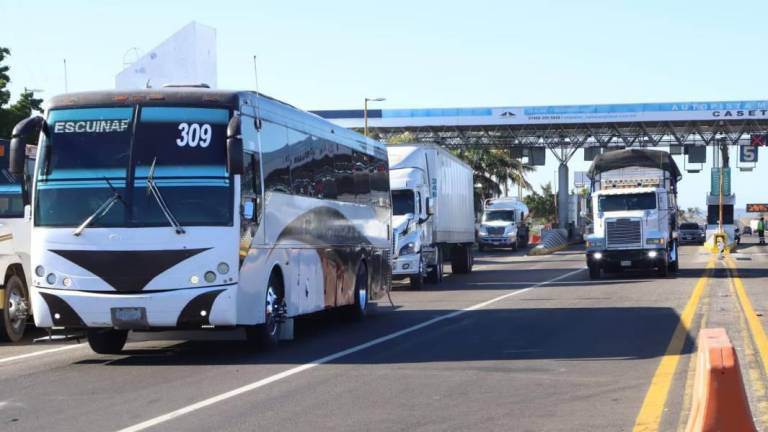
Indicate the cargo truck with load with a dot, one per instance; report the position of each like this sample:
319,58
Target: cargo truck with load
433,213
634,205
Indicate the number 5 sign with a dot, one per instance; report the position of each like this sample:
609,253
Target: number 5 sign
748,154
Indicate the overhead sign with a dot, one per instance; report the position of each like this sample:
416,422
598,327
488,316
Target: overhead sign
757,208
748,154
646,112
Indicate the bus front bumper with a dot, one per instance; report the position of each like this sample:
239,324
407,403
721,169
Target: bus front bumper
184,308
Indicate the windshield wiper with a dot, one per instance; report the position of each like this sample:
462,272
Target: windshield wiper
152,188
102,210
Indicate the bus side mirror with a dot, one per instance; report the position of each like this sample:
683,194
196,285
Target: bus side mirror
22,132
234,146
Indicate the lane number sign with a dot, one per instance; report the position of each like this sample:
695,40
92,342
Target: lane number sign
194,134
748,154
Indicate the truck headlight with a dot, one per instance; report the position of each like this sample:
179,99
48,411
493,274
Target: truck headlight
408,249
655,241
652,254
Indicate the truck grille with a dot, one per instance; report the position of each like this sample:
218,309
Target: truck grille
624,233
495,231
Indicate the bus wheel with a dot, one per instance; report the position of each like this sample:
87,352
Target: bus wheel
107,341
15,310
267,335
357,311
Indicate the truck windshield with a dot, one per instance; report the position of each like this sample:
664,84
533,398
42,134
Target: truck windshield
628,202
402,202
499,215
88,146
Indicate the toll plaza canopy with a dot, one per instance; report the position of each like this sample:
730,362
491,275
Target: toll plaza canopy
569,126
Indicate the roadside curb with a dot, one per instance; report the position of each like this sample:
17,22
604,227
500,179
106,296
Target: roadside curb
719,398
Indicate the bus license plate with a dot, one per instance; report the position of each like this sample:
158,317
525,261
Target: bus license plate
626,263
129,317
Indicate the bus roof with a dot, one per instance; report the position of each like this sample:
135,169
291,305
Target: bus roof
198,96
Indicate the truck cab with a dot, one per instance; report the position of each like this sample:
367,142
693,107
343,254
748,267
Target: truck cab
503,224
411,224
634,202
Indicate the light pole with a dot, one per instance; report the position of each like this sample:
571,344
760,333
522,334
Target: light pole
365,113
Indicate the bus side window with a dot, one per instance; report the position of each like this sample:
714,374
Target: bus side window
276,159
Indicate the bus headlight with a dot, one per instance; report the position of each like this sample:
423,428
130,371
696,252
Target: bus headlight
40,271
51,278
222,268
210,277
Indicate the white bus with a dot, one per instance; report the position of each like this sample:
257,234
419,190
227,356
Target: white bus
195,208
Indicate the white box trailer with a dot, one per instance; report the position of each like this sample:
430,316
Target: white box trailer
433,212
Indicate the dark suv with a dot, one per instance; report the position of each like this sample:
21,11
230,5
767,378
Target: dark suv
691,233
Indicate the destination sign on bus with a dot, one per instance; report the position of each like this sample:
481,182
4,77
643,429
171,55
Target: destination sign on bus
757,208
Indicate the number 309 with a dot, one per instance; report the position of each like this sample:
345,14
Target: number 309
194,134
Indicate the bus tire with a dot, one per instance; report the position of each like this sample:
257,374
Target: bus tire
107,341
358,310
15,309
266,336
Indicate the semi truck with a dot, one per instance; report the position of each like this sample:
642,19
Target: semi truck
432,212
503,224
14,248
634,202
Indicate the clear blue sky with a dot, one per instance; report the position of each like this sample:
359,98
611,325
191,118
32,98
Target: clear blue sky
325,55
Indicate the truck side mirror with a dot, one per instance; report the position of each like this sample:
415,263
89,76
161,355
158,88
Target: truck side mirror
18,151
430,206
234,146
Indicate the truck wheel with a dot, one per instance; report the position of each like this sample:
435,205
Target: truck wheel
594,271
417,282
107,341
460,259
15,310
266,336
435,274
663,270
481,247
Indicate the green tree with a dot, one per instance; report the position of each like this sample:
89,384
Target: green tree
494,168
542,205
19,110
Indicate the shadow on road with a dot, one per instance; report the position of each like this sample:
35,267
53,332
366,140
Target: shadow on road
483,335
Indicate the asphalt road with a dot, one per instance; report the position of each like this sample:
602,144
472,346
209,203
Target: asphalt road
523,343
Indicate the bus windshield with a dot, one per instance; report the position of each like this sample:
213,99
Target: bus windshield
628,202
91,150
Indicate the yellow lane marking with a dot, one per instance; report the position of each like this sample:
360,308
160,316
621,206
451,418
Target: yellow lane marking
755,326
649,417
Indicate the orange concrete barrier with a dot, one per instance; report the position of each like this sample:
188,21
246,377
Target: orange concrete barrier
719,400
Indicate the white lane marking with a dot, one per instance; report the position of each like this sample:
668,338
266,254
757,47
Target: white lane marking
285,374
38,353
